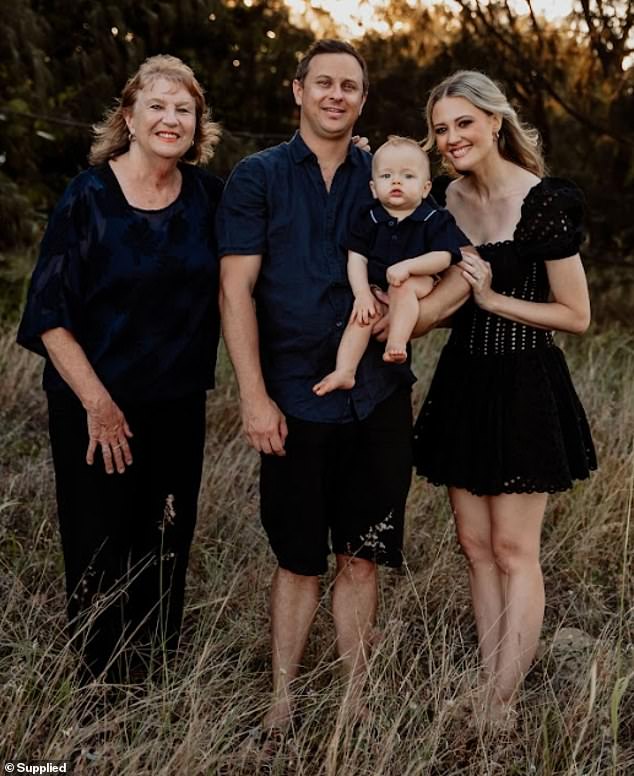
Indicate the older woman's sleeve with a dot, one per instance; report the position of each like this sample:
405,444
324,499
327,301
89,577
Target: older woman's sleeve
53,296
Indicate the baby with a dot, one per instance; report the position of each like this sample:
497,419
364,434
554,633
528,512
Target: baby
399,244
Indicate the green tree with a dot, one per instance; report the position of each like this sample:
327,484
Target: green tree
68,60
573,79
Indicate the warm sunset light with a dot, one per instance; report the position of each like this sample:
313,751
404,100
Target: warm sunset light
355,17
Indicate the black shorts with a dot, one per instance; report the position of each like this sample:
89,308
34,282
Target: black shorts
345,481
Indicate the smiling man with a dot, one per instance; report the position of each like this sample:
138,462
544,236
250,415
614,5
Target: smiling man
335,470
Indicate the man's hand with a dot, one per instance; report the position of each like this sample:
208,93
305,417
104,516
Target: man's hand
381,327
365,308
398,273
264,425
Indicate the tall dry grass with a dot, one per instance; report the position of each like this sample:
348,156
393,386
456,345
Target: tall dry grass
577,709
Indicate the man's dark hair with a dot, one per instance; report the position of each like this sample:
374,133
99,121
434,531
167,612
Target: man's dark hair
330,46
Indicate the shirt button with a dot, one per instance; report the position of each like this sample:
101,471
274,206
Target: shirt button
339,324
395,237
391,223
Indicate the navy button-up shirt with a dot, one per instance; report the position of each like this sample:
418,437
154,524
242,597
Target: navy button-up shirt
384,240
276,205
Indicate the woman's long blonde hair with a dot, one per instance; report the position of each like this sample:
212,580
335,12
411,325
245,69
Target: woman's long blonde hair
111,135
517,142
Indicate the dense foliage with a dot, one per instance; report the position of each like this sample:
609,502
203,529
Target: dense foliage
64,61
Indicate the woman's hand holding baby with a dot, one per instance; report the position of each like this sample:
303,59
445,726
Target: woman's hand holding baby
477,273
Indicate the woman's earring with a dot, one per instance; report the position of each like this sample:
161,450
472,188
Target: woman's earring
131,136
496,136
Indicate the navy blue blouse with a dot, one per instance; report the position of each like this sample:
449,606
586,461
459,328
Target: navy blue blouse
276,204
137,288
384,240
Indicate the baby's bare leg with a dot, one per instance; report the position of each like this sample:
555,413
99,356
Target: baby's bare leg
351,349
404,314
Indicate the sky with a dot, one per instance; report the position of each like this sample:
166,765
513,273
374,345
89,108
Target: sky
354,17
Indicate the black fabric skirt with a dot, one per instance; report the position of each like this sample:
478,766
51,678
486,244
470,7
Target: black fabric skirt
509,423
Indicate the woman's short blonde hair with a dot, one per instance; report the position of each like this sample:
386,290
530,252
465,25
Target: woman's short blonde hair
517,142
111,136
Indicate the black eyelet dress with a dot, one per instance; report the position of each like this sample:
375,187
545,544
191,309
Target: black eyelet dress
502,414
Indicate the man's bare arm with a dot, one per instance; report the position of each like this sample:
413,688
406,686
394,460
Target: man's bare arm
262,421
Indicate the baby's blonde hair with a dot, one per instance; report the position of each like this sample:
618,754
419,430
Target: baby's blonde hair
393,141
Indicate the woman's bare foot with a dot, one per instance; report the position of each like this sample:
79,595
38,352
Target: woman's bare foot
470,707
395,354
480,698
354,708
337,380
356,713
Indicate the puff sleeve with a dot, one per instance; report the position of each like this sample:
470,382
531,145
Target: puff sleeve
54,296
551,226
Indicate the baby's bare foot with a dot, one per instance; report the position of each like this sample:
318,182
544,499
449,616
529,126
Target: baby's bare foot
395,354
337,380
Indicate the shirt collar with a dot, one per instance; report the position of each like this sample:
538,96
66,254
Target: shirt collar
422,212
300,151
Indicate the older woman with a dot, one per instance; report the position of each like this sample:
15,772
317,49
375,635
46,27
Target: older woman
502,426
122,305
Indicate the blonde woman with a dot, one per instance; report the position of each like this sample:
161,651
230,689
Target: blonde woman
122,306
502,426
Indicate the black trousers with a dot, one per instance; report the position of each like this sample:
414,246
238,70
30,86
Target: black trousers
126,537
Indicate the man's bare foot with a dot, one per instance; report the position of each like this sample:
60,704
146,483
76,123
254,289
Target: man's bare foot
497,716
263,744
265,740
337,380
394,354
278,717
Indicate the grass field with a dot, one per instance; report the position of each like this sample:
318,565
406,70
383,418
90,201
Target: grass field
577,710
